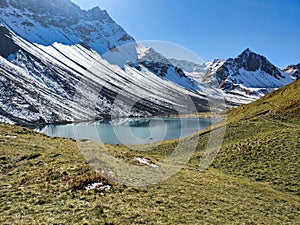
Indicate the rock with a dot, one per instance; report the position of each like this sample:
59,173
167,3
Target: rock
7,46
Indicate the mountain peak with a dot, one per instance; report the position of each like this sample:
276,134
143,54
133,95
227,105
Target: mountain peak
57,8
46,22
252,61
146,53
250,70
97,14
247,52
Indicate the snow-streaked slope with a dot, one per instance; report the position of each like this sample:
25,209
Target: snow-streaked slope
46,22
66,64
154,62
67,83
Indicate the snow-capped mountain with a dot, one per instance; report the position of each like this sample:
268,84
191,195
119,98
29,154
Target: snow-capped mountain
46,22
207,76
245,78
249,74
54,71
158,64
56,83
148,54
293,71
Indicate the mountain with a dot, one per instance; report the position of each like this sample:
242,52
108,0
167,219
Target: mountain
46,22
166,69
250,72
55,68
59,63
293,71
243,79
44,84
249,75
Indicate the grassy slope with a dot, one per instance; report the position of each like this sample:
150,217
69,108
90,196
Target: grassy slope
262,140
254,179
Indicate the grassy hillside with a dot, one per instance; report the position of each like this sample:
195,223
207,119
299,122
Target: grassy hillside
254,179
281,106
263,140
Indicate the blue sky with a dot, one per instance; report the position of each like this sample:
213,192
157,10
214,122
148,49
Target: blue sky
213,28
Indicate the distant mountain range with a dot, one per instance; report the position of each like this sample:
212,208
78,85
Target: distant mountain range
59,63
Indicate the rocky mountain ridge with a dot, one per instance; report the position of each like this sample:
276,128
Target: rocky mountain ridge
249,74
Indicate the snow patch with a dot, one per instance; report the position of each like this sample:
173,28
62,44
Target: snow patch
97,186
13,137
146,162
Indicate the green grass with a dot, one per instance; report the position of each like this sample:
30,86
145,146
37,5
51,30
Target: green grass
262,140
254,179
281,106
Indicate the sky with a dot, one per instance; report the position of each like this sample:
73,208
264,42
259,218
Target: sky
213,29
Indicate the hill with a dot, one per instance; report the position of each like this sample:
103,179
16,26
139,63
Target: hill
262,140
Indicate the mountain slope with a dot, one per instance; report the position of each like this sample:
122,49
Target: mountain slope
243,79
282,105
262,140
54,71
66,83
188,67
156,63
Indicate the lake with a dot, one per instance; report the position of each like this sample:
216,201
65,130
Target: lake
130,130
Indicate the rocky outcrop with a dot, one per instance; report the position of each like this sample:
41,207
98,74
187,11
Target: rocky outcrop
293,70
7,46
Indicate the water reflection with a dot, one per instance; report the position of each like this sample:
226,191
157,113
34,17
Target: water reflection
130,130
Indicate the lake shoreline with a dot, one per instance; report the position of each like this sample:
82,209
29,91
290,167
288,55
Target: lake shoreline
130,130
197,115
